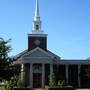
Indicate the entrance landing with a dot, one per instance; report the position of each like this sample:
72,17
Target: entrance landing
38,89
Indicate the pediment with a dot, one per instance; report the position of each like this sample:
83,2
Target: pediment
38,52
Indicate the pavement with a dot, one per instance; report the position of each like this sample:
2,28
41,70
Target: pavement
82,89
43,89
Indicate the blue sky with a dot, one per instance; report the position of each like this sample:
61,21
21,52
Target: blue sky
67,23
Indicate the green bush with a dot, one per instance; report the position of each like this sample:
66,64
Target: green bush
14,82
10,84
52,80
22,88
2,88
60,85
53,83
59,88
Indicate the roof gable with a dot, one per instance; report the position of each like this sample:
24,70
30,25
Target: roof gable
38,52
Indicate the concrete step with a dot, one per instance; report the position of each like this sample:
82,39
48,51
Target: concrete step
38,89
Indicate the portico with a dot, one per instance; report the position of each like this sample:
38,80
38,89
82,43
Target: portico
37,78
37,66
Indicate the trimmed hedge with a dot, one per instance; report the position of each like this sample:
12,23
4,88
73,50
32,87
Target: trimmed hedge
59,88
16,88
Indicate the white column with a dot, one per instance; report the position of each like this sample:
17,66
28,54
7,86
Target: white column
51,69
43,75
67,74
22,71
79,75
31,75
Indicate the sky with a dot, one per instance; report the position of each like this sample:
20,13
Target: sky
67,23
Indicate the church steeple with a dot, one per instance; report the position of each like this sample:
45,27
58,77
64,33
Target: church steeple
37,38
36,21
36,16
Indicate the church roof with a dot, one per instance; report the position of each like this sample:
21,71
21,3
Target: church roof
36,53
39,53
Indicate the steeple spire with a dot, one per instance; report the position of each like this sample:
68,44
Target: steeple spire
36,16
36,21
37,9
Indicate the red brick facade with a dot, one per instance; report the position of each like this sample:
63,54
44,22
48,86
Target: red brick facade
27,74
31,42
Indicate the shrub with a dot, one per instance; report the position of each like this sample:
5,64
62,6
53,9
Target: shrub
9,85
14,82
59,88
52,80
60,83
22,88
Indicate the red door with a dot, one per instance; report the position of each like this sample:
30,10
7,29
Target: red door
37,82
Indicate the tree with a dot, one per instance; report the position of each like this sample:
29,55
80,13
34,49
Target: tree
4,50
4,58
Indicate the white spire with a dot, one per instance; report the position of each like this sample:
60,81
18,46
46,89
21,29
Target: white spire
37,22
37,9
36,16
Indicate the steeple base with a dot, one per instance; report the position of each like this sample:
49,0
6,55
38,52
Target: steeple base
36,32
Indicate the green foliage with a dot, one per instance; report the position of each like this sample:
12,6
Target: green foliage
20,83
52,81
60,83
2,88
4,50
22,88
4,58
14,82
59,88
9,85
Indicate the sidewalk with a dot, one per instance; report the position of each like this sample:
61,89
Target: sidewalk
82,89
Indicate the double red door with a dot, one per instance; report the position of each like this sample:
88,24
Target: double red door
37,82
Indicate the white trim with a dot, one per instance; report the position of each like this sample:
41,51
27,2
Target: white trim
36,60
56,56
37,32
37,35
77,62
37,48
22,71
